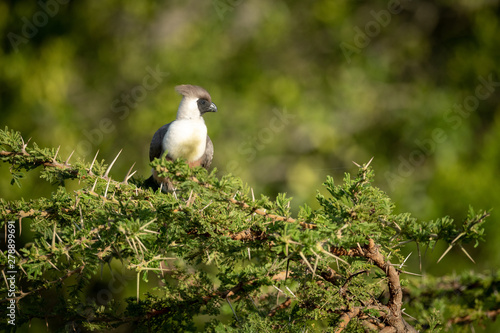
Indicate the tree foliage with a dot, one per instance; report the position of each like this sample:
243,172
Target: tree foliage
228,260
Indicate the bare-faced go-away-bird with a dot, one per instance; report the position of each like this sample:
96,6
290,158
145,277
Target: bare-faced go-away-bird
186,137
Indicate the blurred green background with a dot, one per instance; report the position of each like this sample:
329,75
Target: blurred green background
303,89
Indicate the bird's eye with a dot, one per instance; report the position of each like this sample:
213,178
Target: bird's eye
202,102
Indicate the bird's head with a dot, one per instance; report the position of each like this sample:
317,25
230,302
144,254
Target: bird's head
195,102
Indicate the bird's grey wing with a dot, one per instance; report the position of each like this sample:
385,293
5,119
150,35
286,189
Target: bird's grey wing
207,158
156,147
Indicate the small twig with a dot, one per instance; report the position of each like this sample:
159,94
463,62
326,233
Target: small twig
228,302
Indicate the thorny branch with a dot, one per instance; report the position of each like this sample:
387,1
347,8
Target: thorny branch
44,162
371,251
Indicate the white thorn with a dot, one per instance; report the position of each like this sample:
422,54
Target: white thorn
111,165
410,273
25,144
369,162
95,183
445,252
107,186
131,175
467,254
57,152
67,160
403,312
291,292
206,206
278,289
127,177
92,164
402,264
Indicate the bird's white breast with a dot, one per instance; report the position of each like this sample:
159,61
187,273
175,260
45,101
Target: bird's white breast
186,138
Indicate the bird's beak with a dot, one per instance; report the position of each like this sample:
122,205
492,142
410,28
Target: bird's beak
212,108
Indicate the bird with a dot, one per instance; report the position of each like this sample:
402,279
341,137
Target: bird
186,137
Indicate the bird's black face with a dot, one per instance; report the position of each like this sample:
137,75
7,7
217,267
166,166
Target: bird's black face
206,106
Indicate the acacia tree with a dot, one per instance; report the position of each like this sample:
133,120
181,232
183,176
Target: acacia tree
227,261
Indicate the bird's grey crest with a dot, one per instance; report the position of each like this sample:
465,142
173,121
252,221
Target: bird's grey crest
188,90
